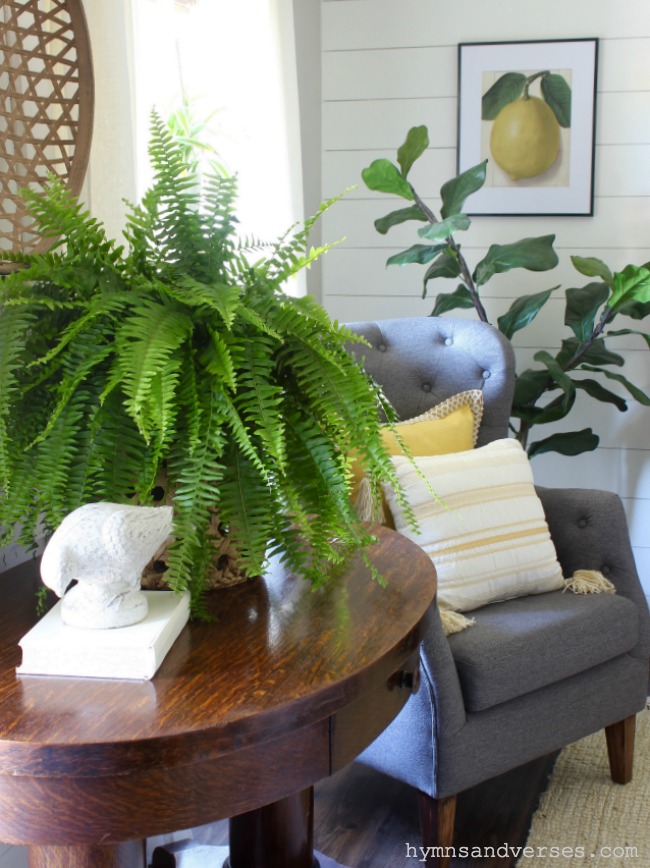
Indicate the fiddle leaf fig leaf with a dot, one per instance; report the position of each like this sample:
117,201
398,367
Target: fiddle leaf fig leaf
529,386
455,192
446,265
631,284
638,394
566,443
383,224
582,305
385,177
633,309
533,254
557,94
590,266
417,141
418,253
446,301
600,393
523,311
505,90
556,409
444,228
644,335
555,370
596,354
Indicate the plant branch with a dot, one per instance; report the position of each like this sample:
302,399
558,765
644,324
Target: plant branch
465,273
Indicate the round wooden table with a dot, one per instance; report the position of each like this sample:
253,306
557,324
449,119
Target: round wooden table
246,713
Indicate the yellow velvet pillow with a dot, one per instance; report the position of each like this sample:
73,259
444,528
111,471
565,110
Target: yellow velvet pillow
451,426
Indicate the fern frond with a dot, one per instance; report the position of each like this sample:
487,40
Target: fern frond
259,397
147,342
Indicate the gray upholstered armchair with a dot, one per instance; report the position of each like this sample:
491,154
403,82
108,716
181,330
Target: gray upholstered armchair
535,673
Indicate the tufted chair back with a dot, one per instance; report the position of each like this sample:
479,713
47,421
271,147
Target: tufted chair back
420,361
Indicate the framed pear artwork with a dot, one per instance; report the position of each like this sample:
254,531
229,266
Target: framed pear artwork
529,109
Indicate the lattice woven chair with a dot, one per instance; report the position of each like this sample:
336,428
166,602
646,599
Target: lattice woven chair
46,86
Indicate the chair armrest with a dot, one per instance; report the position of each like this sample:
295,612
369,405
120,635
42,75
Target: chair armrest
439,672
590,532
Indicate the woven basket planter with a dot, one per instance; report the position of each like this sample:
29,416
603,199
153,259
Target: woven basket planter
224,571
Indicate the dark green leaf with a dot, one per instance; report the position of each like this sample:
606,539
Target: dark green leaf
401,216
444,228
631,284
597,354
446,301
534,254
555,410
559,376
568,443
385,177
559,407
446,265
529,386
419,253
600,393
523,311
646,337
505,90
592,267
455,192
634,309
557,94
417,141
638,394
582,305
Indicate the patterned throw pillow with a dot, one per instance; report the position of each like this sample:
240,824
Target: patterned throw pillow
451,426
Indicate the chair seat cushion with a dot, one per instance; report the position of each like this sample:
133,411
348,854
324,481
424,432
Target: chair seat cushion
518,646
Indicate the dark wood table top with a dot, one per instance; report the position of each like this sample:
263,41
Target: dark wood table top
279,657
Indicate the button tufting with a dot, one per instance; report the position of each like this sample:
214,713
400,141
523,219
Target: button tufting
582,522
486,375
381,348
605,570
448,342
426,387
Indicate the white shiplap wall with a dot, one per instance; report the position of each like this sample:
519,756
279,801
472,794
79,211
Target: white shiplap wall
391,64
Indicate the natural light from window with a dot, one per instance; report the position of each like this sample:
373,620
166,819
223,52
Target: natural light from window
225,57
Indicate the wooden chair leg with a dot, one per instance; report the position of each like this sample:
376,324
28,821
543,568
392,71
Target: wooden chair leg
437,818
620,749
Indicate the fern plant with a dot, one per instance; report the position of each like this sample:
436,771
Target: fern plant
180,351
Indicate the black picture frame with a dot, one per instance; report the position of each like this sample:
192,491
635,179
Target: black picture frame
529,102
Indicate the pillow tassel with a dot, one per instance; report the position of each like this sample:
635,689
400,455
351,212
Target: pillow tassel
589,582
454,622
367,509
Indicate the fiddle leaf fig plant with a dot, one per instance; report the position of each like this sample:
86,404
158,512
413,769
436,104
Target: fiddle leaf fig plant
548,392
180,352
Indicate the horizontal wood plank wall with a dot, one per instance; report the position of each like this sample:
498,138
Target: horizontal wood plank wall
391,64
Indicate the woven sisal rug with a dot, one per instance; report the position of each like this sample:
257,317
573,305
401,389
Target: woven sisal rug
585,819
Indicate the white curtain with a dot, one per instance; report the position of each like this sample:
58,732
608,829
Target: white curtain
111,175
234,59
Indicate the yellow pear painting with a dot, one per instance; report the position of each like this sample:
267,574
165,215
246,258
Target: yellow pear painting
526,130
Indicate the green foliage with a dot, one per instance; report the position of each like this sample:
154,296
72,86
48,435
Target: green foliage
510,86
180,351
547,393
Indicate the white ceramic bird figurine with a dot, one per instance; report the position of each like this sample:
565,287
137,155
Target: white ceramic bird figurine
105,547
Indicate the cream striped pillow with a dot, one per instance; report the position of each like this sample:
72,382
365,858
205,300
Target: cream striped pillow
488,537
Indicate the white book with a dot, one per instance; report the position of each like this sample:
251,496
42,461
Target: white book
135,652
